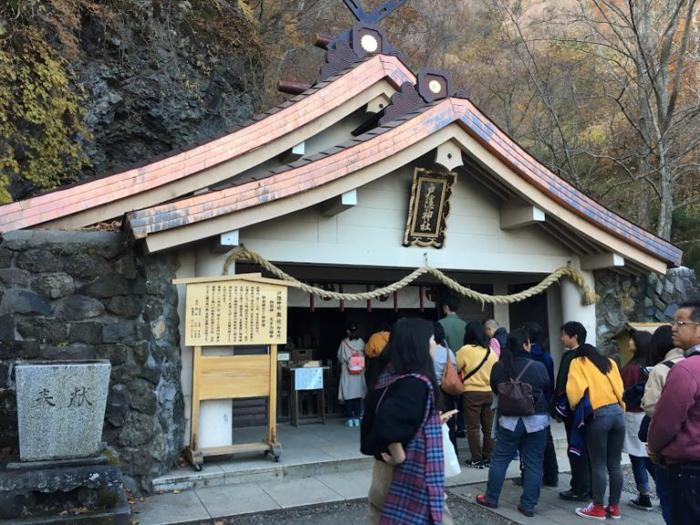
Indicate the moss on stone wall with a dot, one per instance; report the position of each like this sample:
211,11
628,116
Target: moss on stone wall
40,115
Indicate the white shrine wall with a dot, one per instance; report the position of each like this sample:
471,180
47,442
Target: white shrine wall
370,235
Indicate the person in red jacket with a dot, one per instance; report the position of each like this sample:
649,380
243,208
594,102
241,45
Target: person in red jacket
674,433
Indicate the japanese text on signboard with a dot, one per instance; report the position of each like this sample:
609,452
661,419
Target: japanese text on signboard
225,313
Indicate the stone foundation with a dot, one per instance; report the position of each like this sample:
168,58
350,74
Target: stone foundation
650,298
91,295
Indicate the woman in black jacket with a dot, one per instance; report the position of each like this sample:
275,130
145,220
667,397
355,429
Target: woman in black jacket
525,433
401,429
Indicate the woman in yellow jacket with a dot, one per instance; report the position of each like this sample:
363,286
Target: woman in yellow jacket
598,377
474,362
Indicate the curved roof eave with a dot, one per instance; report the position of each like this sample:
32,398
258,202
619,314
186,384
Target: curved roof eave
555,194
113,195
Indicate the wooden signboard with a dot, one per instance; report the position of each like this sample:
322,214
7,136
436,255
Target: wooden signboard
234,310
428,208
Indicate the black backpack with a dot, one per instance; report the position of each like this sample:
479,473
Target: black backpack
516,398
646,421
633,395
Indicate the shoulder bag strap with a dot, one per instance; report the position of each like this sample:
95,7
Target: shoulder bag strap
478,367
529,362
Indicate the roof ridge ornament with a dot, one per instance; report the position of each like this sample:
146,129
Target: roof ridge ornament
375,16
364,39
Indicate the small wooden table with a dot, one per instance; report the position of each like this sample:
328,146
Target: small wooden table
294,397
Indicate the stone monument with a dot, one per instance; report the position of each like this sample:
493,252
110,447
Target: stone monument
61,476
60,408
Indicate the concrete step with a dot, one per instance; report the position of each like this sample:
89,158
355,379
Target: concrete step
310,450
239,472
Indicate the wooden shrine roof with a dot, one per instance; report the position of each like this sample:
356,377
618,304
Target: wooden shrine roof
382,142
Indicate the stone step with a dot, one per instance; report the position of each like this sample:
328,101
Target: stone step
239,472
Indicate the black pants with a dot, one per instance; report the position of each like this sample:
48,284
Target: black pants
580,467
684,488
451,403
353,408
551,467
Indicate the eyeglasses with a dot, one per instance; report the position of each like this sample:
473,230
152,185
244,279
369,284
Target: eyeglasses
681,324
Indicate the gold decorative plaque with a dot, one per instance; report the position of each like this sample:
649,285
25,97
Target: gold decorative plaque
428,208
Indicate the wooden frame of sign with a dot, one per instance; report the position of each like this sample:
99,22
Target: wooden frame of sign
234,310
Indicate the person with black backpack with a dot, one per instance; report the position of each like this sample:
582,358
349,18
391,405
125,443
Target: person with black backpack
634,377
522,386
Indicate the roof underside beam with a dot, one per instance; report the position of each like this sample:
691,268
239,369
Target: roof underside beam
602,261
339,204
517,215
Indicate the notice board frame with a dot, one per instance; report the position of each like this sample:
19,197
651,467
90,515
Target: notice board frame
235,376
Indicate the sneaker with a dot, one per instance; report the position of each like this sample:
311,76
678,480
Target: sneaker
485,463
613,511
570,495
522,510
481,500
474,464
356,422
643,502
349,423
593,511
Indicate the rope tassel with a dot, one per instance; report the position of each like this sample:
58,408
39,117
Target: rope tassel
569,272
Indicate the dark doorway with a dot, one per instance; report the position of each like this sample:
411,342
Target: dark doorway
532,309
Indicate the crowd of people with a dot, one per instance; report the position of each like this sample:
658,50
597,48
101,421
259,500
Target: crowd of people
417,386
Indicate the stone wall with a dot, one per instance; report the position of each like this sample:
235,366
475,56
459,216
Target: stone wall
83,295
650,298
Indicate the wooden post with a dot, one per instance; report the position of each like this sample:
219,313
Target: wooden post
272,402
194,421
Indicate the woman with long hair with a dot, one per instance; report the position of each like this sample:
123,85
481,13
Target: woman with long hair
634,375
596,376
402,430
474,361
527,433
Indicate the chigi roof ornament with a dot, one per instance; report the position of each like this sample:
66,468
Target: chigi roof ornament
365,38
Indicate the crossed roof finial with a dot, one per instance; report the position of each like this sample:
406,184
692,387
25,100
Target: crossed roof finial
375,16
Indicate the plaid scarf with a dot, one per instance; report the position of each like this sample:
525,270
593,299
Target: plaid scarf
417,490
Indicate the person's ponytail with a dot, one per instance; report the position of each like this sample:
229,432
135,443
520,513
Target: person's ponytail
601,362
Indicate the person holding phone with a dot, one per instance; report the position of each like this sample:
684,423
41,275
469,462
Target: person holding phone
402,430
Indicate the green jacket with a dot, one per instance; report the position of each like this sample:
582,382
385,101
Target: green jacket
454,331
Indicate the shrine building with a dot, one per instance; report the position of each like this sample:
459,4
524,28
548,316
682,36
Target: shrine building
369,173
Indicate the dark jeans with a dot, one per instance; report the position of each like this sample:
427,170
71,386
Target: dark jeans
662,477
479,418
531,448
605,435
353,408
684,489
580,466
551,465
640,466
